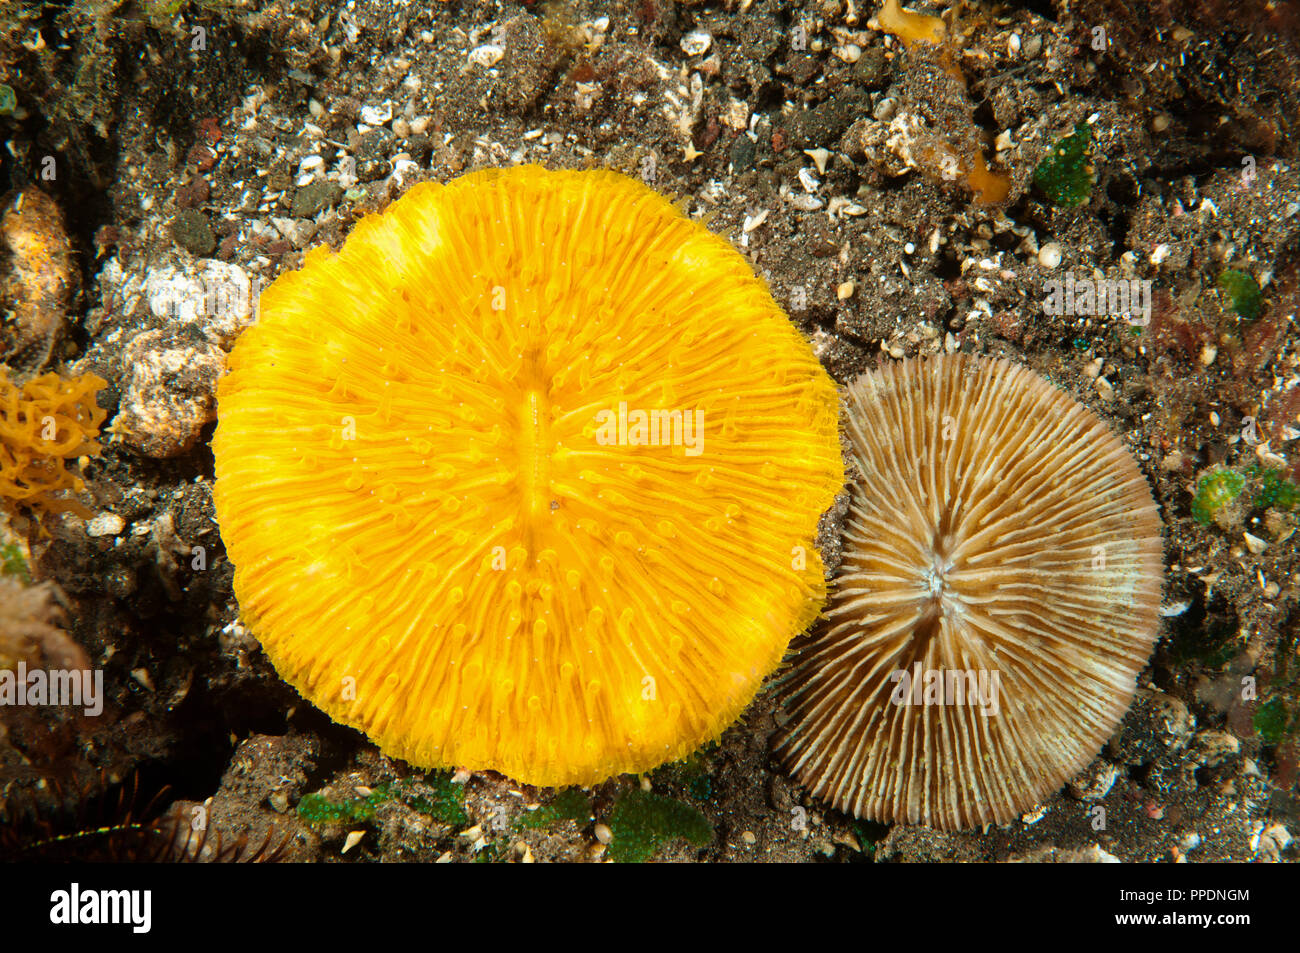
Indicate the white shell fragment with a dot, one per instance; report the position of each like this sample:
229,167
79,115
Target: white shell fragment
376,115
353,839
820,157
696,43
487,55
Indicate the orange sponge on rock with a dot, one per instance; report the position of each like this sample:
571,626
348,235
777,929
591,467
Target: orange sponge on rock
43,423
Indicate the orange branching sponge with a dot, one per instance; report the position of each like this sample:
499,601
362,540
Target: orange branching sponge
908,26
43,423
526,477
917,29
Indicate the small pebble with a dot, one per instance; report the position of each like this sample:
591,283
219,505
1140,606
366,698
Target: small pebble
1049,256
749,838
603,833
191,230
313,197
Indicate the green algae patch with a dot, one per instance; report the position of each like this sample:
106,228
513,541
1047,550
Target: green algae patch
1270,721
12,563
1212,645
691,774
1214,491
1243,291
642,823
318,810
436,796
568,805
1065,176
440,799
1276,489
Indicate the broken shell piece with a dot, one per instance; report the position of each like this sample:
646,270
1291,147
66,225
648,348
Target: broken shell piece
804,203
819,157
697,43
353,839
736,115
487,55
376,115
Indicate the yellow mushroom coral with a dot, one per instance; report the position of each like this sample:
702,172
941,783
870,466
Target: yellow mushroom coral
526,477
997,599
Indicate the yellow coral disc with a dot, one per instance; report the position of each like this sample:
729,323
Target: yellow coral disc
526,477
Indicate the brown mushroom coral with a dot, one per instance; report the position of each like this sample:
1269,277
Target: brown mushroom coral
998,596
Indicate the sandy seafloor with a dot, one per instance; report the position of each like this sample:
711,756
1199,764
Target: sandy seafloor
176,162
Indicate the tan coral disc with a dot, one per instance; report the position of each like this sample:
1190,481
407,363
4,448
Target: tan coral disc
996,528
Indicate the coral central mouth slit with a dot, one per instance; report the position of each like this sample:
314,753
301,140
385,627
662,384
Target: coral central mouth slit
534,451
